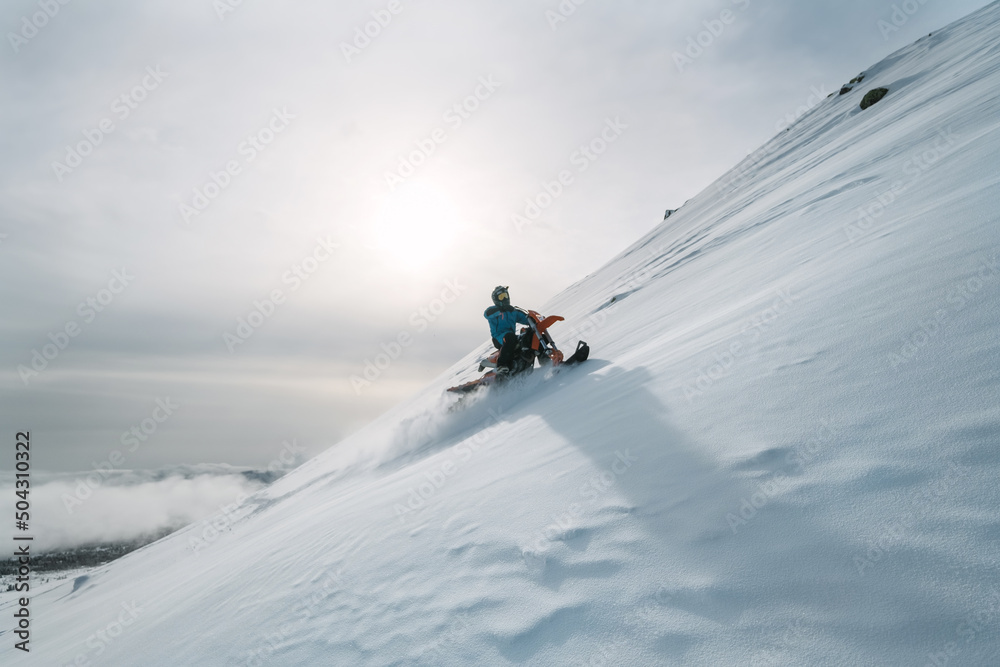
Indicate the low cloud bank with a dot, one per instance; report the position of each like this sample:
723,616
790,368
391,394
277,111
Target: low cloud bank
76,509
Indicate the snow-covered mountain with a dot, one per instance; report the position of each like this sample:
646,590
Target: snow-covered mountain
784,450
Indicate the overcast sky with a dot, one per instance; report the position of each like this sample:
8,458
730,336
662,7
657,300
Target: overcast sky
176,162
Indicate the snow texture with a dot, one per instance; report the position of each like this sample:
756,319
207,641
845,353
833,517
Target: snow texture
783,451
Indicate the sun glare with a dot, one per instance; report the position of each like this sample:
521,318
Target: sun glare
414,226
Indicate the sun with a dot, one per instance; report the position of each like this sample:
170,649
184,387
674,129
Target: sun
414,226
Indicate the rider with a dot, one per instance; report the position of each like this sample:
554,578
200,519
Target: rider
503,319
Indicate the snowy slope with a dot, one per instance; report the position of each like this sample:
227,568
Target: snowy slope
783,452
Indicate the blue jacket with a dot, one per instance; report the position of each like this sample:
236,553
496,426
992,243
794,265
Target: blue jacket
504,321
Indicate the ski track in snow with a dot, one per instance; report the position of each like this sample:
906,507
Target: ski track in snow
783,450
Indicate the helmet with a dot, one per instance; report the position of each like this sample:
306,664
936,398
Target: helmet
500,296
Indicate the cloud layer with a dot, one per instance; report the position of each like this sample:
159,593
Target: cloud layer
107,507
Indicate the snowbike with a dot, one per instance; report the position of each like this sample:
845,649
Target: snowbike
535,343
